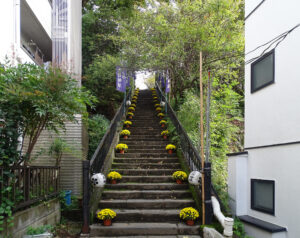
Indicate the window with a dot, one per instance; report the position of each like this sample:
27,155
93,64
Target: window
263,196
262,71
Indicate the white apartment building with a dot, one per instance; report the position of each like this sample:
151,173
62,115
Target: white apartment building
43,31
264,179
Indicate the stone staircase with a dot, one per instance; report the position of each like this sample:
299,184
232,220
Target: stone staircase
147,201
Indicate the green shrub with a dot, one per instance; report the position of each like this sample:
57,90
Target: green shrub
97,127
224,110
39,230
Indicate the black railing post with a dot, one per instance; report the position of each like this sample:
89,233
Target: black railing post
207,197
86,197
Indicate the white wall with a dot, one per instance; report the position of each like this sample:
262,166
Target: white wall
280,164
271,114
250,5
10,32
7,24
237,183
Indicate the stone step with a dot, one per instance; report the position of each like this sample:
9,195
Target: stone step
147,147
145,194
145,128
145,172
147,179
146,215
146,160
144,139
147,203
131,229
144,143
147,186
142,116
153,119
145,155
160,236
146,132
142,125
154,125
131,150
146,166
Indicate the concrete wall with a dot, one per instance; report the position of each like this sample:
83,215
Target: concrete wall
43,214
271,114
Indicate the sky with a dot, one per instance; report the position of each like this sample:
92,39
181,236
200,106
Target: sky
140,79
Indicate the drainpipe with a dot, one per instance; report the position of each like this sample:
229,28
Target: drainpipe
226,222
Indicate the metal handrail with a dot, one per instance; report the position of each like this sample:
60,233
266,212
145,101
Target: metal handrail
190,152
95,165
100,154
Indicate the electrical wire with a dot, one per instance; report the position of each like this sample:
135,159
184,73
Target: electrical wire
277,40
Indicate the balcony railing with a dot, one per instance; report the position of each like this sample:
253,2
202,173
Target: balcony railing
27,185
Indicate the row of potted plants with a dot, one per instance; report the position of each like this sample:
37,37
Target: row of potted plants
178,176
188,214
122,148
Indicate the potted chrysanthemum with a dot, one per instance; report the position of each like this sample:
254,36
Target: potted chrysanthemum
121,148
165,134
125,134
131,109
127,124
161,115
114,177
162,123
158,109
189,215
106,215
179,176
130,115
170,148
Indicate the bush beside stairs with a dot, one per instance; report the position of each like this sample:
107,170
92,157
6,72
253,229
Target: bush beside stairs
147,200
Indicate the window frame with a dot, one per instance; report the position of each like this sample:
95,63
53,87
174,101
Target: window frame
268,211
253,90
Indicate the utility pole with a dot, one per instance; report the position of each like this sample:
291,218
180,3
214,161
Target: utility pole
202,140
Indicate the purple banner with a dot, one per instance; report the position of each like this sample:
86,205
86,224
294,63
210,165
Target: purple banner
120,82
162,80
127,80
168,84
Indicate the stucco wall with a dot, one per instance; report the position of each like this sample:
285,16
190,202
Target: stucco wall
271,114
